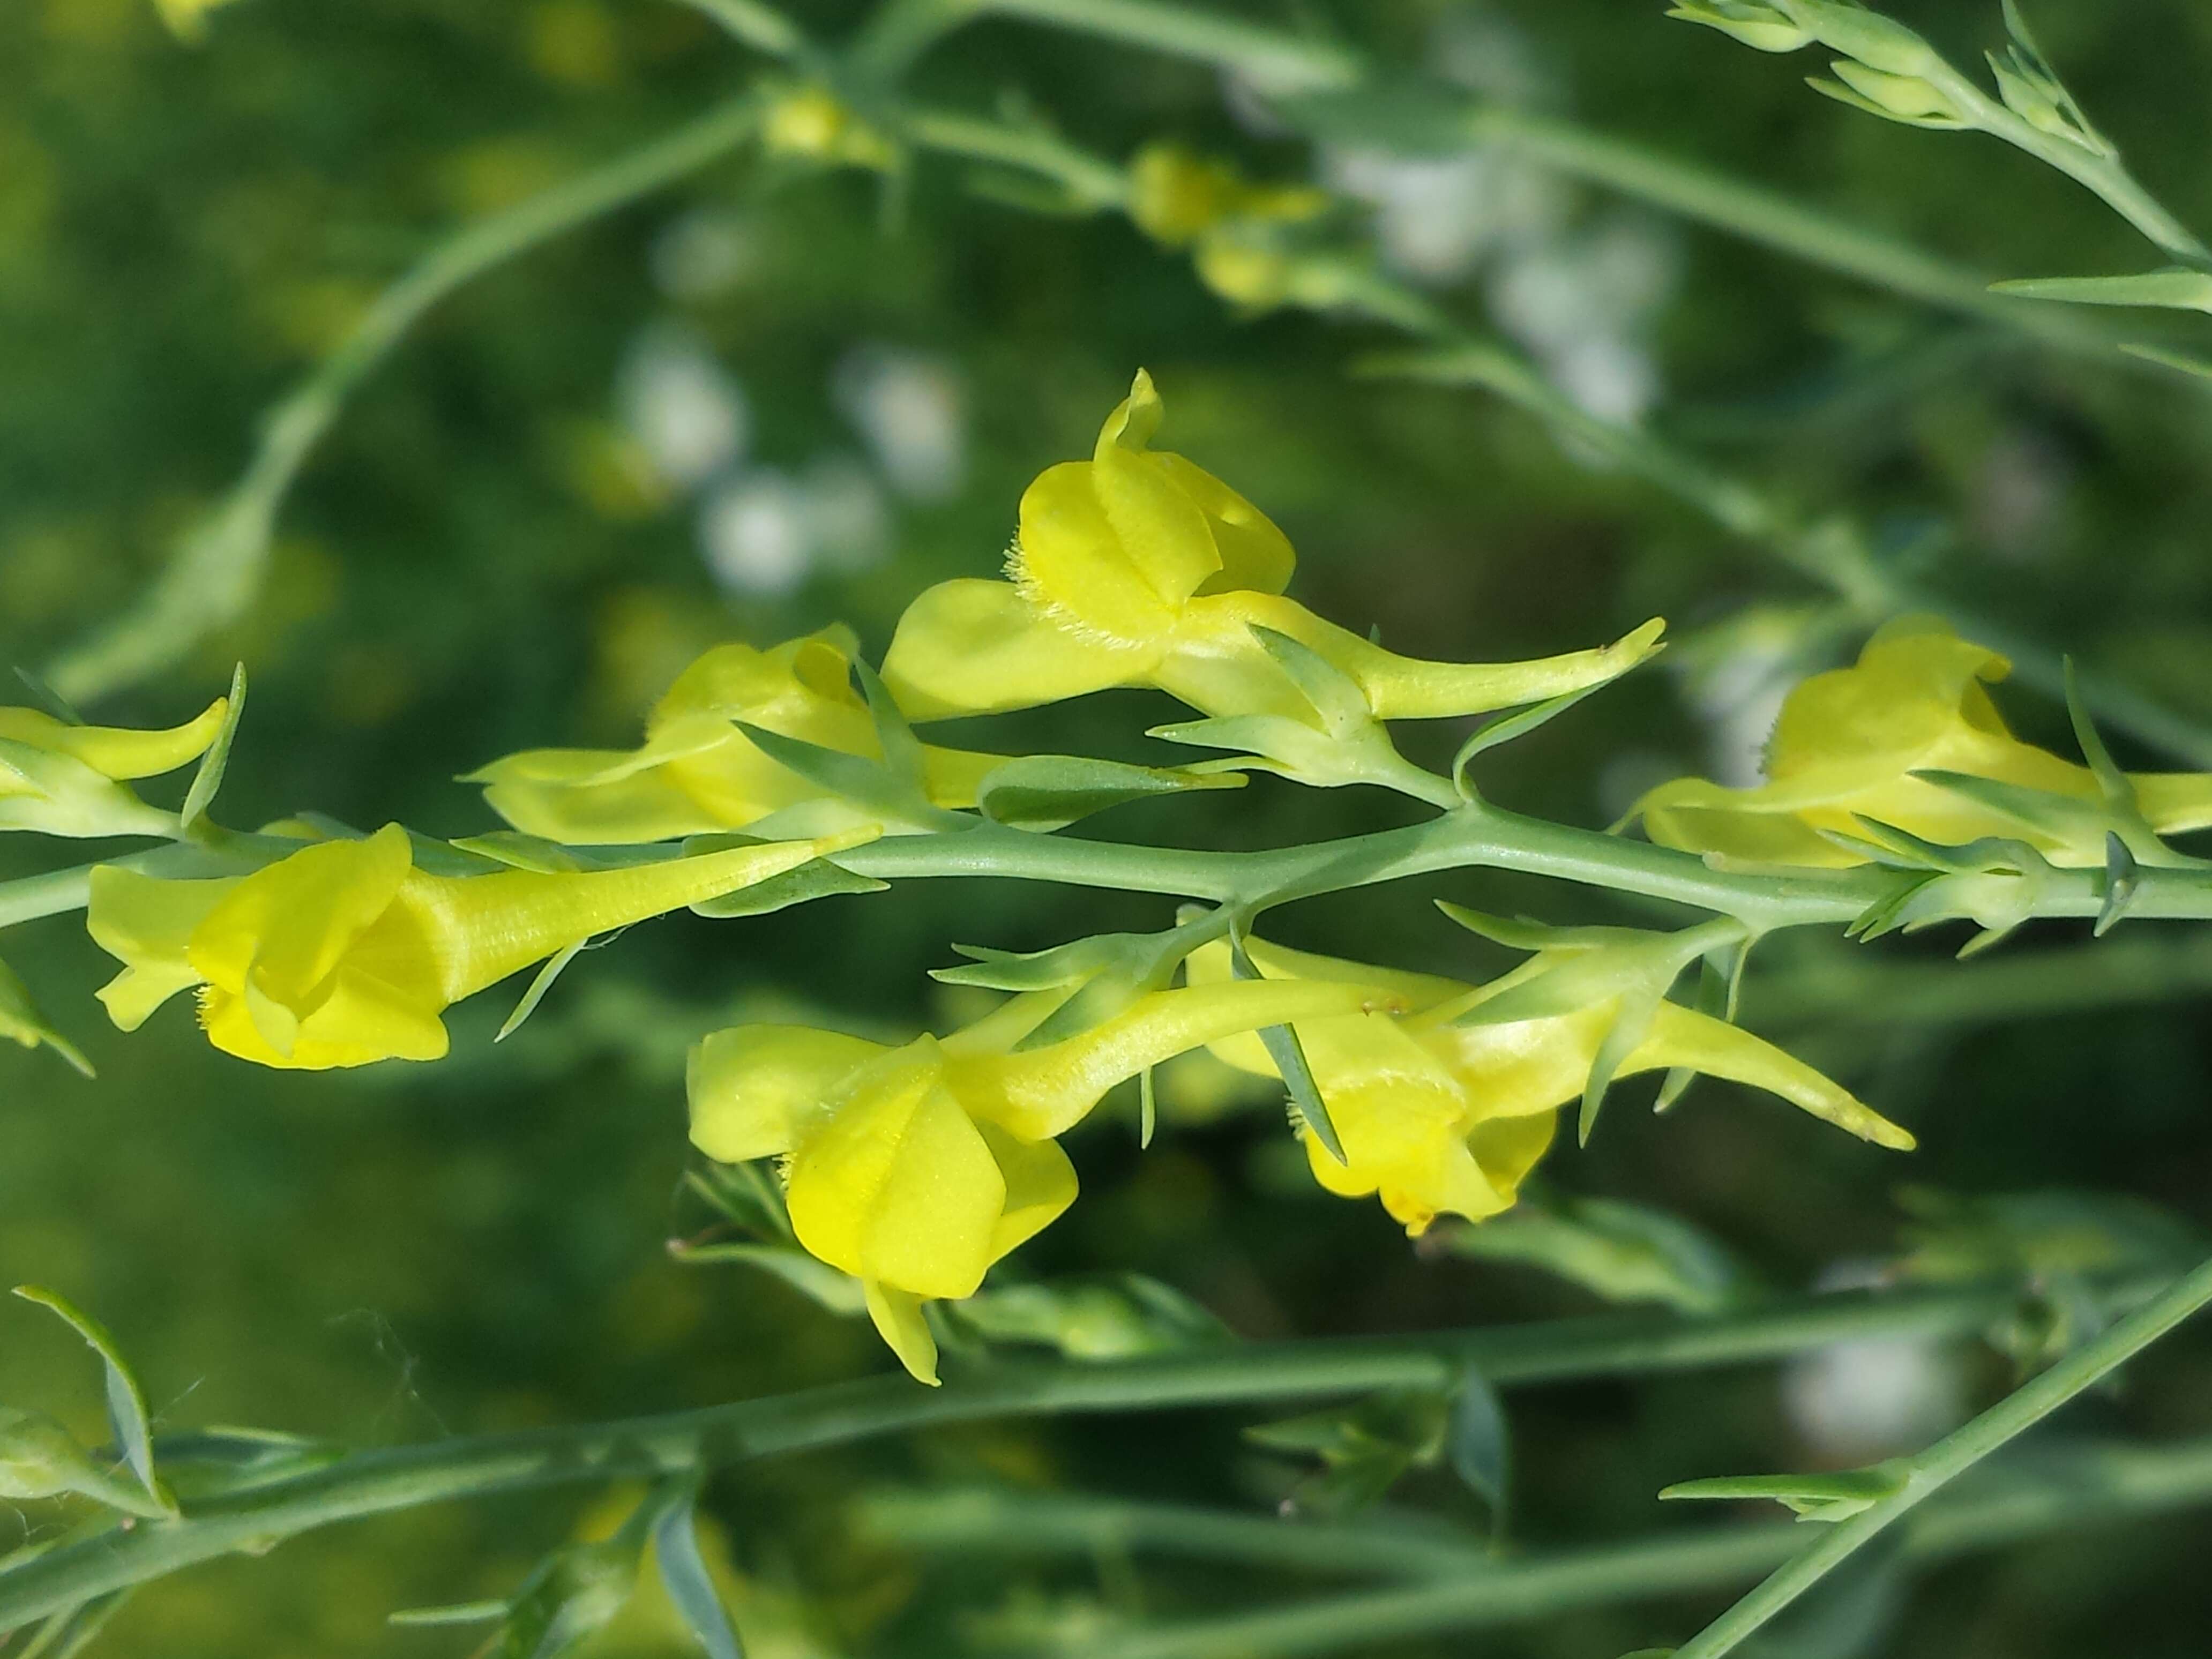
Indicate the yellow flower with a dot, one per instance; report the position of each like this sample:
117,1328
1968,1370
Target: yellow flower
1439,1116
1848,741
1176,197
187,19
344,952
1137,568
697,772
915,1168
812,123
64,780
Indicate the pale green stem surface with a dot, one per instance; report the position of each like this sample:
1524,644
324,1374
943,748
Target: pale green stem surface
1953,1455
380,1482
1462,1586
216,569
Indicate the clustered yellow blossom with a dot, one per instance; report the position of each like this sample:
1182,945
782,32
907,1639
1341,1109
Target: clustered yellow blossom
1137,568
697,772
344,952
1442,1112
1848,744
915,1168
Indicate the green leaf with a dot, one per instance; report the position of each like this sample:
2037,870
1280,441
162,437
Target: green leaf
2038,809
575,1594
2168,358
743,1194
1524,934
1506,728
126,1402
1283,1048
2173,288
1363,1449
1148,1109
2112,782
209,778
1049,792
1813,1497
540,983
816,878
690,1588
1478,1443
458,1612
21,1022
866,783
1720,986
1629,1028
517,851
73,1630
827,1287
902,753
1092,1317
1619,1251
1335,697
48,698
2122,882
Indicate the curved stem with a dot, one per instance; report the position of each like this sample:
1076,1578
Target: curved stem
215,570
1953,1455
379,1482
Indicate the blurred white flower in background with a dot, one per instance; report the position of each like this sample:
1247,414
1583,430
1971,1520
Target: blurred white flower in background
753,532
911,410
1581,304
683,408
1873,1397
706,252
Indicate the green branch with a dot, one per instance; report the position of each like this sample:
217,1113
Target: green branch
216,569
257,1519
1953,1455
1468,1588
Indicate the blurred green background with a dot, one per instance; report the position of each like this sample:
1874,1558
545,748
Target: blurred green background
760,401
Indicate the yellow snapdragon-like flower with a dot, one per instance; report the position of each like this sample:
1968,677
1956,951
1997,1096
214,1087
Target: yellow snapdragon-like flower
1137,568
915,1168
1846,746
697,773
344,952
1438,1116
64,780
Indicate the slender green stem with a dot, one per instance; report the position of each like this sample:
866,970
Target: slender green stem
1953,1455
1467,1588
761,28
215,570
379,1482
1477,836
1091,181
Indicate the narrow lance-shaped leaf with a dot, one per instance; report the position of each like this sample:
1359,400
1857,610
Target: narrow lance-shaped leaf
22,1021
2175,289
1506,729
1335,696
1631,1025
540,983
70,1632
817,878
902,752
1812,1496
2122,882
48,698
126,1402
1050,791
1283,1048
1479,1443
1148,1110
1720,983
209,778
690,1588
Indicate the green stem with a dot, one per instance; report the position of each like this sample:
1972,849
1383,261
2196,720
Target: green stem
1954,1454
215,570
763,28
1476,837
1095,183
1470,1589
256,1518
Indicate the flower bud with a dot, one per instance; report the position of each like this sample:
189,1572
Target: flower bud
1880,43
64,780
1905,97
812,123
1754,23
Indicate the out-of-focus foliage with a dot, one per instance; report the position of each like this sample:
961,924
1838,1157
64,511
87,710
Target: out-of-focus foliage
774,396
